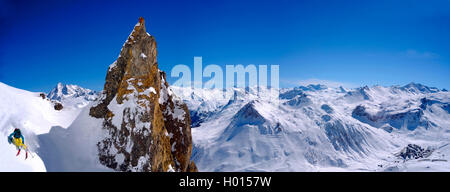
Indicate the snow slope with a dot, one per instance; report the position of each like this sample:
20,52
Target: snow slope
74,148
316,128
33,115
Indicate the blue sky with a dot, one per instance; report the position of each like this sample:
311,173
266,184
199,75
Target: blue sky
349,42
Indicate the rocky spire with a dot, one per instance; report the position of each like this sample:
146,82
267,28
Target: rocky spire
148,126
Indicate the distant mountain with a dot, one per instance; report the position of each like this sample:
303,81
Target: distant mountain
419,88
72,95
137,124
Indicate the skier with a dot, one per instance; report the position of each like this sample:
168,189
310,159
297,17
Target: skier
17,139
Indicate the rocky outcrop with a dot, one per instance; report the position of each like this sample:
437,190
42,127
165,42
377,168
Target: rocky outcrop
148,126
58,106
413,151
246,120
42,95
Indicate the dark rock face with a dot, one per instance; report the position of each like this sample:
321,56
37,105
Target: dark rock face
197,117
58,106
413,151
148,126
42,95
192,167
178,123
327,108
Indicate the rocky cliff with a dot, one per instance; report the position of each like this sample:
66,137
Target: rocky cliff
148,127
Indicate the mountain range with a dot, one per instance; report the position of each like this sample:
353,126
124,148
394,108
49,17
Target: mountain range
310,129
317,128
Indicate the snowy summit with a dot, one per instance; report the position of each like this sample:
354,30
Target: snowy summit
72,95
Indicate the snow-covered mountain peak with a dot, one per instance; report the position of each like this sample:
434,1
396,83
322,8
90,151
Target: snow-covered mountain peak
358,94
419,88
249,114
72,95
62,91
